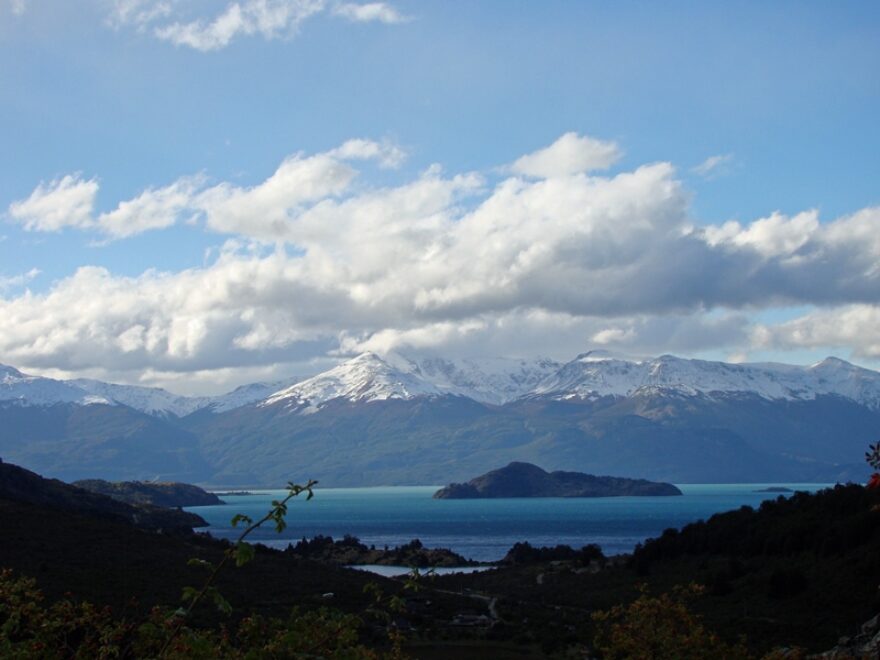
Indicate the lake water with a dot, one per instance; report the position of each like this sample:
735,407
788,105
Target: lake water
483,530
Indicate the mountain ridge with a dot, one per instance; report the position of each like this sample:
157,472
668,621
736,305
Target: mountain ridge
495,381
391,420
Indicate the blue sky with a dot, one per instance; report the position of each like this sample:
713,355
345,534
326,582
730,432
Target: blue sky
757,108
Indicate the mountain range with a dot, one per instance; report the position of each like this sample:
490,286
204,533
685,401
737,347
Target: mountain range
395,419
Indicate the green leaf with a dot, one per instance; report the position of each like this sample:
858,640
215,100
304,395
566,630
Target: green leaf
240,517
195,562
189,593
223,606
244,553
396,604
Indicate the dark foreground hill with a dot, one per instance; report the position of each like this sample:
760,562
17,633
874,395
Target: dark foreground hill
527,480
801,572
168,494
24,486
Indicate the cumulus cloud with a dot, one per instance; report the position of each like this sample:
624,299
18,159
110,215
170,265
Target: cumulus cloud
771,236
449,262
154,208
64,202
853,328
270,19
268,210
265,210
570,154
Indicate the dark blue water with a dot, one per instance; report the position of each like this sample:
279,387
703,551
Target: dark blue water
484,529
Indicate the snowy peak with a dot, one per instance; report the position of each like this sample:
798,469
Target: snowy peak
22,389
494,381
835,376
151,400
487,380
592,375
366,377
246,394
370,377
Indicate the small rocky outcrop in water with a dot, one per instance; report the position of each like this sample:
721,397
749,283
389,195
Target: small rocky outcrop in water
168,494
527,480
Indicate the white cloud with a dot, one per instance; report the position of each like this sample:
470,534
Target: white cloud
169,20
155,208
268,210
138,13
12,281
570,154
369,12
387,154
265,211
714,166
853,328
777,235
268,18
445,262
64,202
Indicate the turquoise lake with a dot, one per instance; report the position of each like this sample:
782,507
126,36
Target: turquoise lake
484,529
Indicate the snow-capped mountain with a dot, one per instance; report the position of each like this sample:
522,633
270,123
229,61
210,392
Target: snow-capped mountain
600,374
370,377
418,420
487,380
367,377
244,395
151,400
22,389
496,381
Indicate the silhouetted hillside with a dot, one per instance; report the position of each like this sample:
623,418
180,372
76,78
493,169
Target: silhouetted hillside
20,485
169,494
826,523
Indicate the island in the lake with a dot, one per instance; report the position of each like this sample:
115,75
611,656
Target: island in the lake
775,489
527,480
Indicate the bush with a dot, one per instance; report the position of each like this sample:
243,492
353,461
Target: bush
31,629
659,627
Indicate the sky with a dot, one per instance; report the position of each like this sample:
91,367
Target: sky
199,194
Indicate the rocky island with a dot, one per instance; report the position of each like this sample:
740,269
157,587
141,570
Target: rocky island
527,480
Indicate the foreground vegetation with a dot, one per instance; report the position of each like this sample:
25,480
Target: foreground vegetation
796,573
